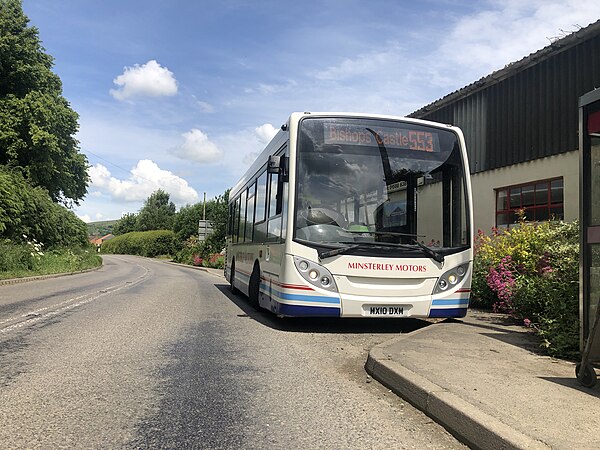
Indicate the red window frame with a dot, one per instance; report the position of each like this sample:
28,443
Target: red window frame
535,198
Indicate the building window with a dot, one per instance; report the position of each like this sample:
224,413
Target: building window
540,201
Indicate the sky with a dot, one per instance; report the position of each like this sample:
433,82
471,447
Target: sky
182,95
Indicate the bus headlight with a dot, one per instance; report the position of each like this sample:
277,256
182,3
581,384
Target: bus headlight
450,278
315,274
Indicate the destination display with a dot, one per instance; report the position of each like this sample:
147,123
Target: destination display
390,137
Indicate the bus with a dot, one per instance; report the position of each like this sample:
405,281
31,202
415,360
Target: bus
354,215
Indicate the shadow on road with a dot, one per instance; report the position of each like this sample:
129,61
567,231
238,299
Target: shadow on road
321,324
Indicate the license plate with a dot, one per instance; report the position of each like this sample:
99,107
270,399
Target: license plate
385,311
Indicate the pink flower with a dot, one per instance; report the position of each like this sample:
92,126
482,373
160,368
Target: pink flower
501,280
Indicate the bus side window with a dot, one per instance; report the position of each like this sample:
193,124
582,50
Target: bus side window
273,191
236,220
284,211
261,197
260,204
250,212
278,189
230,220
242,217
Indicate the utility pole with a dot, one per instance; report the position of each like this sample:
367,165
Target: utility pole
203,228
204,215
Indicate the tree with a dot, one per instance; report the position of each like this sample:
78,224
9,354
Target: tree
126,224
28,212
12,205
37,124
186,220
157,213
216,213
218,218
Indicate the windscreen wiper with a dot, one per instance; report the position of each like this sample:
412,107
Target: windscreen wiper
389,245
436,256
430,252
386,233
352,246
337,251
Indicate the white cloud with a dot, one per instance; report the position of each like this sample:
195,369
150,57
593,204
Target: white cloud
250,157
511,30
146,177
268,89
147,80
367,64
265,133
85,218
203,106
398,78
198,148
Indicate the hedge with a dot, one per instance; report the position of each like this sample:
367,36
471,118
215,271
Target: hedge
142,243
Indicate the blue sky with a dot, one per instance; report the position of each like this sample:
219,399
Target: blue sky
181,95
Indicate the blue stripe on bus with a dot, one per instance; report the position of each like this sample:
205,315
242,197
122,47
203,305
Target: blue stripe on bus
453,302
306,311
448,312
302,298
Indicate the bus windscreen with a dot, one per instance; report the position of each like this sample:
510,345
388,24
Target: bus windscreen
374,182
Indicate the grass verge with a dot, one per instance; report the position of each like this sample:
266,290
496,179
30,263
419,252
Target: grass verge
29,260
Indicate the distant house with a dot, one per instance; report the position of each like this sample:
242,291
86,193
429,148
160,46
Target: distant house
100,240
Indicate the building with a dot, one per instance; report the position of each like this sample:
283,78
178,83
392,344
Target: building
98,241
521,128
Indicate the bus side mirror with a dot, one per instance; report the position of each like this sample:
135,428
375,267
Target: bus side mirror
278,165
274,164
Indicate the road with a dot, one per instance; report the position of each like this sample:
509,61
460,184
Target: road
147,354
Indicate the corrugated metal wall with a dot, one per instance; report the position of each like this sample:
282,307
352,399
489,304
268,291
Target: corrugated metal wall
530,114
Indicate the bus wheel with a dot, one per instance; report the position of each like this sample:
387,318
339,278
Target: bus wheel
234,290
254,288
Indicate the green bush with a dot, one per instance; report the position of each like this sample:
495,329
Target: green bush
29,211
196,253
30,259
532,272
142,243
19,257
191,250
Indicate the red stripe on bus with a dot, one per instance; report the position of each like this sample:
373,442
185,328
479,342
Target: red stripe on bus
288,286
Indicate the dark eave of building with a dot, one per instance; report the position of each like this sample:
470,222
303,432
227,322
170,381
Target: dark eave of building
509,70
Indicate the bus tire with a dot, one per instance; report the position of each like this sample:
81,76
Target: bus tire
254,288
234,290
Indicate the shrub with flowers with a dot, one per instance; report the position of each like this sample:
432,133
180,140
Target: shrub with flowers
501,280
532,273
197,253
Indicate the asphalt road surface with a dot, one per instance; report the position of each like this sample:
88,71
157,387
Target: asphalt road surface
147,354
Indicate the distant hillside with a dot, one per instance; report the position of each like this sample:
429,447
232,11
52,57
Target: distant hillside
101,228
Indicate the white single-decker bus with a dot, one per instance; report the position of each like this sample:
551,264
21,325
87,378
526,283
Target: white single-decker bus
355,215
